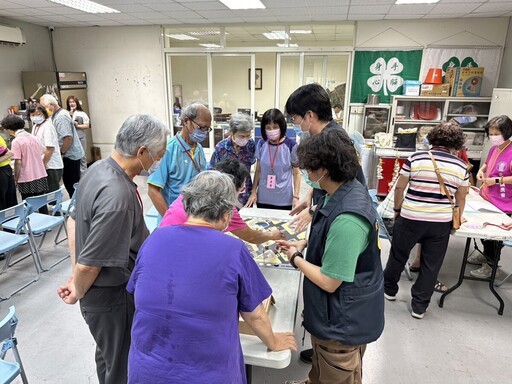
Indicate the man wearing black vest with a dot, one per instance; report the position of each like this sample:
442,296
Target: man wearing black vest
343,282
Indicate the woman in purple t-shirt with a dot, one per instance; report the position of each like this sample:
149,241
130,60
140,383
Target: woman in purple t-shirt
496,177
190,283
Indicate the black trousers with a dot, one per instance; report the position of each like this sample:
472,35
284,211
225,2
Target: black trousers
70,174
433,238
7,188
492,248
108,311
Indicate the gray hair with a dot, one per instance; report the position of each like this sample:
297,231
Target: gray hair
209,196
240,122
141,131
49,99
192,111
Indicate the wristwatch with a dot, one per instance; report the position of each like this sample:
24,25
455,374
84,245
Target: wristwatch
311,212
497,180
296,254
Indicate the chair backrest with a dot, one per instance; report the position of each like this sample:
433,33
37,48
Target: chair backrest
18,211
36,202
7,327
58,208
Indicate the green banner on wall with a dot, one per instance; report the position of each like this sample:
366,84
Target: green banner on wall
383,73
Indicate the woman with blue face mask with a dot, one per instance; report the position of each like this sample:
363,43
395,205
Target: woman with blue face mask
276,180
43,129
239,146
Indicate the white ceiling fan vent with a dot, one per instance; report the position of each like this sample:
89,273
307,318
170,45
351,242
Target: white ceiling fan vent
11,36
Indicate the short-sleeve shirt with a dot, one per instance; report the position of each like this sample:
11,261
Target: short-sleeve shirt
190,283
47,136
423,200
82,118
4,145
177,169
226,150
281,156
176,215
26,148
110,226
64,126
348,236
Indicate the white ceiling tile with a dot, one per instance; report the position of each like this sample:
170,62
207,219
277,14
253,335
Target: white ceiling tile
402,17
61,10
460,8
444,16
365,17
407,9
328,11
290,4
167,7
185,16
495,7
204,6
372,2
485,14
258,19
363,10
31,3
132,8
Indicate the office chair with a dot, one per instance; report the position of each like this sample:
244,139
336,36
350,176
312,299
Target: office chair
383,230
10,241
10,370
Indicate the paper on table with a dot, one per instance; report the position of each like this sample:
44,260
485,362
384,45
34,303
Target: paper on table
481,206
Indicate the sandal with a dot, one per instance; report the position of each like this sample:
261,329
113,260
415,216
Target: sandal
440,287
413,269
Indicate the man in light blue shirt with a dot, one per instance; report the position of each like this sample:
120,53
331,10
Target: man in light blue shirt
183,160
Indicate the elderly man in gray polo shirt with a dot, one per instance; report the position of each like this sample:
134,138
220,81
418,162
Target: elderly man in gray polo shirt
69,142
106,234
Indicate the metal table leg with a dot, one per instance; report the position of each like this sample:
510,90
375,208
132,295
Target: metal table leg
491,281
248,373
461,274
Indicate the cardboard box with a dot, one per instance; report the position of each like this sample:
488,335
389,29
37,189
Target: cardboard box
435,90
465,81
244,328
411,88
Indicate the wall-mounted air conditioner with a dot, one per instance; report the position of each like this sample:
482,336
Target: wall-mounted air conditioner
11,36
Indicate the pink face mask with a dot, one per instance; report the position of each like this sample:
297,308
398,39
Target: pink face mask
496,139
274,134
240,142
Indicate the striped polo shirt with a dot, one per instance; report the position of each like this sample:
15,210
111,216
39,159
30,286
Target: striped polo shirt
424,200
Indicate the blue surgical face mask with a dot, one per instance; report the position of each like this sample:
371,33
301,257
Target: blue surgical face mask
37,119
313,184
299,132
198,136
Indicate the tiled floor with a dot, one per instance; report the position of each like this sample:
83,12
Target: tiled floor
465,342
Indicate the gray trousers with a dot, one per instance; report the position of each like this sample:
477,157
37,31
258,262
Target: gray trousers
108,311
54,176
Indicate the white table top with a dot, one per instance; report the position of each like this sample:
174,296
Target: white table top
285,289
261,213
475,218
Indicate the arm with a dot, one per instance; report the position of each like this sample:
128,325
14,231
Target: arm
257,237
304,204
259,322
254,194
155,194
296,186
81,126
460,199
6,156
17,169
71,241
66,143
84,276
401,184
48,152
481,172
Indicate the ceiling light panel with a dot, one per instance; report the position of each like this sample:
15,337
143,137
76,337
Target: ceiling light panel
275,35
210,45
399,2
86,6
181,37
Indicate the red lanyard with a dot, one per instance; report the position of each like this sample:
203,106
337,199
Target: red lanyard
272,161
138,197
198,169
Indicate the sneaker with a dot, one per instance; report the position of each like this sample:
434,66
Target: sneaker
296,382
306,356
389,297
417,315
483,273
477,259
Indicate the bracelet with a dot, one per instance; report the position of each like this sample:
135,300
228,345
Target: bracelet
296,254
311,212
295,197
501,181
397,209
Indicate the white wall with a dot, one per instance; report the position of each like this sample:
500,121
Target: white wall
505,79
35,55
124,72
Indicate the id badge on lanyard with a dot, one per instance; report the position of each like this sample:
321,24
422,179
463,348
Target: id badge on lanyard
272,178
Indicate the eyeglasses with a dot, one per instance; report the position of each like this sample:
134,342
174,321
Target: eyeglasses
204,128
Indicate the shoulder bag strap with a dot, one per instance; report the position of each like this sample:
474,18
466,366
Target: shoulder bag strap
444,190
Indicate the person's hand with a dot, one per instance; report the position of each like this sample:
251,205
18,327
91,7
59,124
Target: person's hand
489,181
480,176
251,200
67,292
276,234
75,123
299,207
295,202
396,216
282,341
290,247
301,221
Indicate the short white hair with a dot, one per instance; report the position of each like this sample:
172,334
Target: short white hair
49,99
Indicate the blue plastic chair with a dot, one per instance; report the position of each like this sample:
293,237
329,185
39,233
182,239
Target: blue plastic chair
38,223
9,241
65,208
151,222
10,370
152,212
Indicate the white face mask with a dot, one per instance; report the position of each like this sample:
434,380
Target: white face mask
496,139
